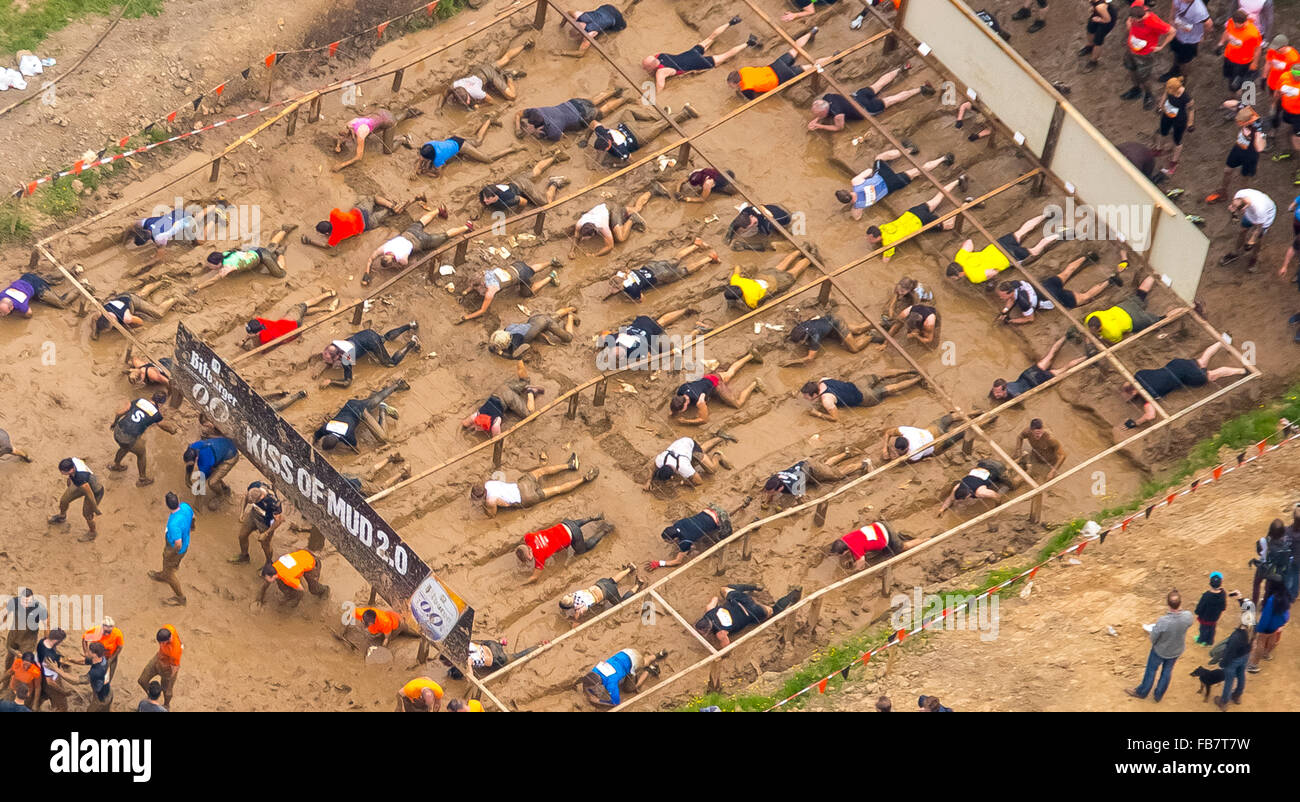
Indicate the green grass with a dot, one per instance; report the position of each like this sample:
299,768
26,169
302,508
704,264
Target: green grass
26,29
1237,434
13,228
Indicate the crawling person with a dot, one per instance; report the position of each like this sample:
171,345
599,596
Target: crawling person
695,394
831,111
436,153
470,90
515,340
1055,284
907,292
371,412
750,293
750,82
982,482
518,273
811,333
920,321
249,259
358,129
7,448
519,192
1020,303
550,123
397,251
875,537
1034,375
793,481
662,66
605,592
1176,374
516,396
1129,316
756,227
734,608
29,288
980,266
611,224
828,395
703,529
184,225
142,372
130,309
84,484
616,145
705,181
261,330
868,187
643,337
913,220
624,672
487,656
682,454
587,25
365,215
367,342
540,546
528,490
1037,444
660,272
923,442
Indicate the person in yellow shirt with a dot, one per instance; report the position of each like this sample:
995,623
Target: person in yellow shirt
980,266
462,706
420,695
912,221
752,292
1129,316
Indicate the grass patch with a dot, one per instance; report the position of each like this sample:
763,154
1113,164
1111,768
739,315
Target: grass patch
25,27
13,228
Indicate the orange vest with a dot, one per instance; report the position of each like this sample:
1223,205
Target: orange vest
1278,63
291,567
171,650
386,621
27,678
1243,42
1288,90
415,687
758,79
112,641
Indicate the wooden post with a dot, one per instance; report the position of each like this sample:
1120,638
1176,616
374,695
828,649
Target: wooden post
890,45
825,294
1036,509
422,652
814,615
498,452
787,629
216,169
684,154
715,676
35,260
539,223
373,596
819,515
358,312
722,561
462,248
959,223
601,390
573,407
886,580
746,553
397,81
967,445
313,111
1049,143
540,18
291,124
270,81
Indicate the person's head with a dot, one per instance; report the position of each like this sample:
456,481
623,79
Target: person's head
1216,580
329,442
6,306
155,690
107,625
427,151
670,534
587,230
1174,599
704,626
901,445
1007,290
773,486
883,705
103,324
387,260
29,660
96,649
268,572
22,693
650,64
1128,391
843,196
954,271
663,473
488,196
164,635
478,492
532,120
254,327
1136,13
214,258
999,390
369,617
1174,86
26,597
324,228
523,554
158,398
66,466
1280,41
799,334
733,294
929,704
820,108
915,320
1246,116
678,404
1093,323
1036,428
810,389
257,491
1276,529
1239,17
138,234
961,492
566,602
905,286
841,549
189,457
57,636
733,79
457,706
500,341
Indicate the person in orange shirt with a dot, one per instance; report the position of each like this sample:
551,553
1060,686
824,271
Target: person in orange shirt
165,665
1288,97
751,82
24,671
1241,49
108,634
420,695
289,573
384,624
1278,61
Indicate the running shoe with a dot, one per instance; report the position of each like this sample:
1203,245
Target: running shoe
1021,13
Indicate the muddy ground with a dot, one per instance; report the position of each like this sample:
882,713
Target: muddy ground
48,408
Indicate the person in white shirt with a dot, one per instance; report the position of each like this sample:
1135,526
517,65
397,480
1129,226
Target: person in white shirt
528,490
1257,211
471,89
679,458
397,251
610,224
908,439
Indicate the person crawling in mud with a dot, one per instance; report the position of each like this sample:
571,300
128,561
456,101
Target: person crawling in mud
519,192
979,266
611,223
831,111
177,225
811,333
982,482
368,342
519,274
705,181
552,122
643,337
358,129
249,259
828,395
624,672
920,321
751,293
372,412
913,220
662,66
755,228
793,481
682,454
616,145
365,215
703,529
517,397
540,546
29,288
660,272
528,490
261,330
130,310
1037,444
696,394
1039,372
750,82
7,448
397,251
907,292
590,24
515,340
734,608
923,442
487,656
872,539
1176,374
436,153
870,186
141,372
594,598
471,90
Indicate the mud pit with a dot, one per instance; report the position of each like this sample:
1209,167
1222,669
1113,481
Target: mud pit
772,154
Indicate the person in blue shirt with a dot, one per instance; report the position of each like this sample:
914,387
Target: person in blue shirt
176,541
878,180
213,458
435,153
603,686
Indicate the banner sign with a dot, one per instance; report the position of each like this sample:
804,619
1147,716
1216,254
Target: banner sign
321,494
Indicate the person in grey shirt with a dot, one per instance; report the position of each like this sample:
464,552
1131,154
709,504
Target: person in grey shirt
1168,639
1192,22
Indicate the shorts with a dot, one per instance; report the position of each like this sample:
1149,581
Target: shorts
530,491
713,378
1248,224
692,60
893,181
1012,246
423,240
784,68
1140,66
665,272
491,76
39,285
923,214
1033,376
1136,308
778,283
587,110
609,588
1056,288
839,329
852,396
996,469
868,100
1245,158
1097,31
1174,125
1188,372
1234,71
1183,51
524,273
1292,120
1295,229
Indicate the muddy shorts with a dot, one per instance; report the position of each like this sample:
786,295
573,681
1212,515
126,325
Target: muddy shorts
491,76
665,272
423,240
609,588
6,445
1140,66
893,181
587,110
1012,246
530,491
1136,308
784,68
529,190
778,283
997,471
617,214
1056,288
523,274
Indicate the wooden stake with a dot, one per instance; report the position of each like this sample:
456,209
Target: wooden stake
819,515
601,390
216,169
313,111
814,615
539,222
715,676
462,249
422,653
291,124
539,19
498,452
397,81
1036,509
573,407
825,294
357,312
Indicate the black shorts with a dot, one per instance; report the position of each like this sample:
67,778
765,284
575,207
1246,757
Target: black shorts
893,181
1173,125
39,285
1018,252
1188,372
586,109
1097,31
923,213
1233,71
1245,158
1292,120
1183,51
869,100
610,588
1056,288
692,60
784,68
524,272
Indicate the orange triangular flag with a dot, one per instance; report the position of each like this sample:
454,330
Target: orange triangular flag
821,686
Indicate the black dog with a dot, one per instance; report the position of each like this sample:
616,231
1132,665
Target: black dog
1209,677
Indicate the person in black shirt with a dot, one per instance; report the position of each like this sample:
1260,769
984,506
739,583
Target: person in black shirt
827,327
1236,654
1177,116
703,529
590,24
981,483
712,385
643,337
663,66
53,679
262,511
831,111
342,428
657,273
81,484
1176,373
346,352
1212,604
515,396
152,705
617,144
129,426
921,323
101,700
1037,373
756,227
829,394
734,609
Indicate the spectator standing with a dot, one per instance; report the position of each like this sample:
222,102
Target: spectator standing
1168,640
1208,610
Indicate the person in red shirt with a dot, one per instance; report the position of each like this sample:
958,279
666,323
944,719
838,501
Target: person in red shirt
856,546
165,665
540,546
1147,35
362,217
1241,49
261,330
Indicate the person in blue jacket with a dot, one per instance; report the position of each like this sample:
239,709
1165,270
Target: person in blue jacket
212,458
604,685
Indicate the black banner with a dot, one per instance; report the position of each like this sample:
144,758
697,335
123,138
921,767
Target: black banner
301,475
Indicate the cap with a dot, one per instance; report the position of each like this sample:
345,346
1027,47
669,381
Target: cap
1216,579
1280,41
109,622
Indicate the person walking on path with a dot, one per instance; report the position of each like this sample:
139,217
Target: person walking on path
1168,639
